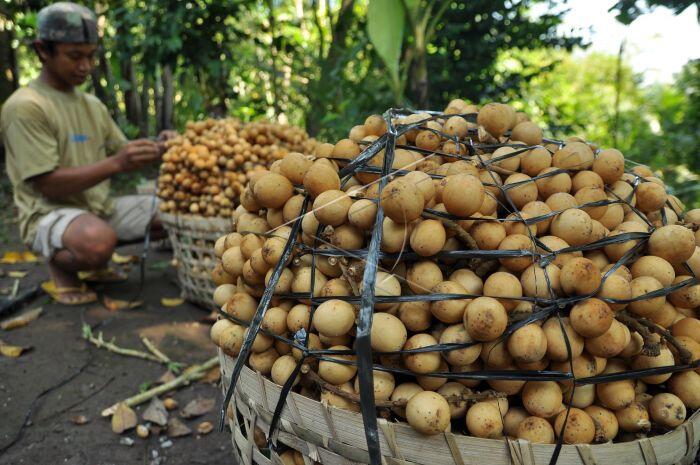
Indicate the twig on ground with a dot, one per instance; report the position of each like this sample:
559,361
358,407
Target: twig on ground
192,373
100,343
175,367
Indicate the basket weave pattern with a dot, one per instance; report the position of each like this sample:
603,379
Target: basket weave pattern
334,436
193,238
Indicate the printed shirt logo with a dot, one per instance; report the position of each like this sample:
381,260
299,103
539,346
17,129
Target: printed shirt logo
79,137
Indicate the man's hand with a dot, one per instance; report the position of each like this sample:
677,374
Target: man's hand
167,134
137,154
163,137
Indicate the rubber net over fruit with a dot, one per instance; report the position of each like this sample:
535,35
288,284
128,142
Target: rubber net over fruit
561,286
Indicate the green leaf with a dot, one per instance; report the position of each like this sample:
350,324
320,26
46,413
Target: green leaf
385,26
145,386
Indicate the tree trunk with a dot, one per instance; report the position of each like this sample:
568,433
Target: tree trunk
168,97
131,95
158,99
96,77
419,72
145,105
321,92
9,78
273,53
110,95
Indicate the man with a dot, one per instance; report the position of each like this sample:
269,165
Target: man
62,147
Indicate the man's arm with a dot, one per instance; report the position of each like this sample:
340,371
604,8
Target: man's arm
63,182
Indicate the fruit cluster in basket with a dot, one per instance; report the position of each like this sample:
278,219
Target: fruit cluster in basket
205,169
525,286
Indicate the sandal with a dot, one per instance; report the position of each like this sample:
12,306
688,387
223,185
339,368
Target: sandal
105,275
69,295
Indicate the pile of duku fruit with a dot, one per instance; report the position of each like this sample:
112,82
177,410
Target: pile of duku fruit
547,212
206,168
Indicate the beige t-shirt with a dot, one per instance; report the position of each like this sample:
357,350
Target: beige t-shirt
44,129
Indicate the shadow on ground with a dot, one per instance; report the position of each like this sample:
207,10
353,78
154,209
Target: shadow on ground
83,380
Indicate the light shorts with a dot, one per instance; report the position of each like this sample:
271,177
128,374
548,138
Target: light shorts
129,220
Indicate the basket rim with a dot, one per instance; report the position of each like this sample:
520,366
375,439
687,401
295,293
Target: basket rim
197,222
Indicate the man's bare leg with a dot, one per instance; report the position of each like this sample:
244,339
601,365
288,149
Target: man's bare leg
88,243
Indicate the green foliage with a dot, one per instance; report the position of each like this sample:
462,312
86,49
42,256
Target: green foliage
656,126
326,65
385,26
629,10
470,39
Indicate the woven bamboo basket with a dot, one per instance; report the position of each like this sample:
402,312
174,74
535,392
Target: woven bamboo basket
193,238
332,436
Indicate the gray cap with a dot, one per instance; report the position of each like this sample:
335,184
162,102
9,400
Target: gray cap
67,22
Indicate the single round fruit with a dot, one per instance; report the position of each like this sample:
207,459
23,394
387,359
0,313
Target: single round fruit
428,412
462,194
282,370
673,243
273,190
573,226
334,318
485,319
388,333
542,398
575,426
536,430
667,410
591,317
484,420
402,201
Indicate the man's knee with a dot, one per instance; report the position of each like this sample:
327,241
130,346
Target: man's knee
92,242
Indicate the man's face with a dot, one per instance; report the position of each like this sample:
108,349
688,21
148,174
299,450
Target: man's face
70,63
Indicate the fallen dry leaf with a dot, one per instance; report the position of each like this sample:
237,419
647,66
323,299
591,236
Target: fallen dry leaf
156,412
22,319
11,258
171,301
114,305
197,407
123,259
176,428
155,430
8,350
205,427
166,377
79,419
124,418
18,274
212,376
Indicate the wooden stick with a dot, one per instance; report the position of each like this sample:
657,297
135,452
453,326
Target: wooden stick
193,373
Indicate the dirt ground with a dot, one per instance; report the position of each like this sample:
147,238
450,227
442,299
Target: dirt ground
64,376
